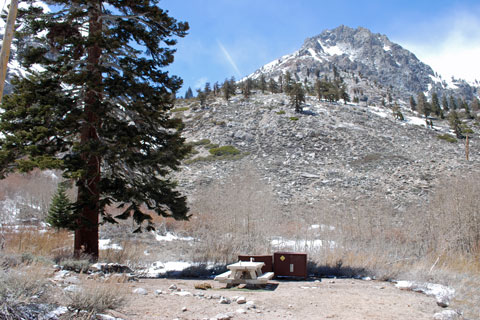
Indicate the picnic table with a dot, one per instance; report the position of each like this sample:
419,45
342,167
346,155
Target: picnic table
245,272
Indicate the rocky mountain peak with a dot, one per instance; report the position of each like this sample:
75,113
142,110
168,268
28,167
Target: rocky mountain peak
387,67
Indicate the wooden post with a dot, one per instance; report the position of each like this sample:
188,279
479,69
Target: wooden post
7,42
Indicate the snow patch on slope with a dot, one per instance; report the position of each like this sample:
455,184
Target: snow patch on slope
333,50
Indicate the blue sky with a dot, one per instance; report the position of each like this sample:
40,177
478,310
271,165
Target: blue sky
236,37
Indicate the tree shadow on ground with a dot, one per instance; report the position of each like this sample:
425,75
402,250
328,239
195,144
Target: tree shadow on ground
340,271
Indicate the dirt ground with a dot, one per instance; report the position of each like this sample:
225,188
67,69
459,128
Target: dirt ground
321,299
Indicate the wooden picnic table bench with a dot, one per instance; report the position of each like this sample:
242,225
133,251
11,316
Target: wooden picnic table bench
245,272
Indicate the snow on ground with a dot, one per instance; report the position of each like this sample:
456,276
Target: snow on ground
170,237
301,244
442,294
160,268
104,244
315,55
415,121
333,50
381,112
321,227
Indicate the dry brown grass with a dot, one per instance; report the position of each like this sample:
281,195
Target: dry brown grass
131,254
48,243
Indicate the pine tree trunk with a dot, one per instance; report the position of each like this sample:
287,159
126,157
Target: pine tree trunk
86,236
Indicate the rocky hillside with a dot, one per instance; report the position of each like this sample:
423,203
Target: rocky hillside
368,62
330,151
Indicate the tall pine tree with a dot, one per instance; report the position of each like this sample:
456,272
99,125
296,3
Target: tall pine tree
98,110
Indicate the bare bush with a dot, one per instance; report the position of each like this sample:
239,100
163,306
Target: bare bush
131,254
233,216
19,287
96,298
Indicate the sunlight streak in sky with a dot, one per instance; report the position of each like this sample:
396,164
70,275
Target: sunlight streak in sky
230,59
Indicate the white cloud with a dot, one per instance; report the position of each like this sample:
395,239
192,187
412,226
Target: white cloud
451,45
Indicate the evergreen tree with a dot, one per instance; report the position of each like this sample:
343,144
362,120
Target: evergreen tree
233,86
475,105
465,106
262,84
297,96
397,113
228,88
455,124
207,88
272,86
287,86
413,104
436,104
216,89
202,97
189,93
452,104
247,88
344,94
423,106
61,214
280,81
98,110
445,103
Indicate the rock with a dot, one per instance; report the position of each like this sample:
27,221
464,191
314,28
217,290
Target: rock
140,291
110,268
224,300
203,286
241,300
57,312
447,315
184,309
172,287
72,288
250,304
61,274
104,317
183,294
158,292
442,301
72,280
216,296
222,316
241,311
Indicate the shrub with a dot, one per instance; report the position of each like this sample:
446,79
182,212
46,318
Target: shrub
96,298
200,142
180,109
18,286
212,145
76,265
280,112
224,150
294,118
447,138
